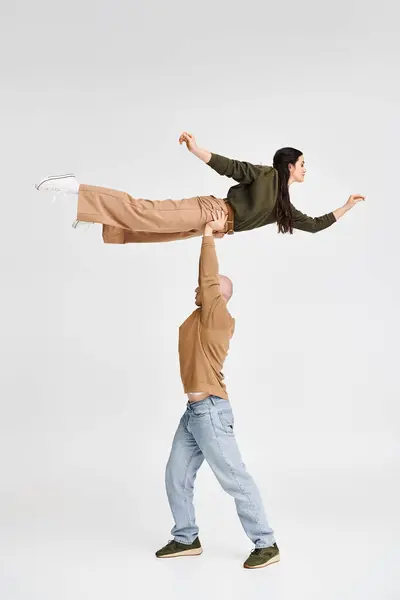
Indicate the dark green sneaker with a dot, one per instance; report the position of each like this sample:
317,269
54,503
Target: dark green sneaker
174,548
262,557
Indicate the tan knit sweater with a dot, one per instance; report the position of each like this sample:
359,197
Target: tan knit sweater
204,336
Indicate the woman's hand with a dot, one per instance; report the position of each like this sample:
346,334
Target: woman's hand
189,140
192,146
353,200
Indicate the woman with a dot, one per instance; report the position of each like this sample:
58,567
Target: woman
260,198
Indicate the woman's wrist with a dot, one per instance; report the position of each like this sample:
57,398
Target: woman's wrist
204,155
339,212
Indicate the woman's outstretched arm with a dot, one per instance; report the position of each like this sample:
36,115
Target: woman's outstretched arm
242,172
315,224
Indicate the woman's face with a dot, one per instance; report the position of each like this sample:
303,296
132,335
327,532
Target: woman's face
298,171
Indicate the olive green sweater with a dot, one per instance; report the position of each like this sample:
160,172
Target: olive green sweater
254,199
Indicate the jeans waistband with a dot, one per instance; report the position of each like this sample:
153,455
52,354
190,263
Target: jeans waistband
212,399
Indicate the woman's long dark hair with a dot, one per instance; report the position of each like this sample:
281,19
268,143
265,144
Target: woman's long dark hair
282,159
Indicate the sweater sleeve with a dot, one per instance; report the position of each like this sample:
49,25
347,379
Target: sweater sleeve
242,172
208,275
311,224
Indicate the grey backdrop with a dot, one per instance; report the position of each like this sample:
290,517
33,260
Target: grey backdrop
90,388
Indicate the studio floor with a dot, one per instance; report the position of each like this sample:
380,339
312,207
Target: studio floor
60,542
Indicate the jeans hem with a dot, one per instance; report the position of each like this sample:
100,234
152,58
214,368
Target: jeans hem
185,543
267,546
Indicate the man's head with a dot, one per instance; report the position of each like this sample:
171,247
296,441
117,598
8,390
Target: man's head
225,286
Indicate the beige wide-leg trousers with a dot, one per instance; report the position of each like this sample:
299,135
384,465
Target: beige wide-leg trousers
134,220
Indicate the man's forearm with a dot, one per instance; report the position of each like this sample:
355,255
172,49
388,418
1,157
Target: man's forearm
204,155
208,266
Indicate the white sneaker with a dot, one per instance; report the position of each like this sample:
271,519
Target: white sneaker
64,184
76,224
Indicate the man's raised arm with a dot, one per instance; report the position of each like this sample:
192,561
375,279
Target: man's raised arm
209,282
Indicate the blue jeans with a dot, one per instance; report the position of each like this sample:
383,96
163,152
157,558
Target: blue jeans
206,432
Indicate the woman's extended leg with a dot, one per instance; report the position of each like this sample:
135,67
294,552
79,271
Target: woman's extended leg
116,235
133,220
118,209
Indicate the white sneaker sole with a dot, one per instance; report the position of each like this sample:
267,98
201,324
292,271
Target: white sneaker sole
273,560
193,552
52,177
82,224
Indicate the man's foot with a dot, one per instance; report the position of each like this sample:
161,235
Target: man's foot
262,557
65,184
173,549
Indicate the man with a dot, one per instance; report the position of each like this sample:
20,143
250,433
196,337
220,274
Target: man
206,428
261,198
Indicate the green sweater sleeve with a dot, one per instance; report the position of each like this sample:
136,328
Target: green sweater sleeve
311,224
242,172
